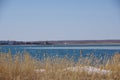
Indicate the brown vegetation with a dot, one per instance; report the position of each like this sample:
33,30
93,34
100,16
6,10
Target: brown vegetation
24,67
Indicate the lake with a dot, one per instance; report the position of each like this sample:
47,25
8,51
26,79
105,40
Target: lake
99,51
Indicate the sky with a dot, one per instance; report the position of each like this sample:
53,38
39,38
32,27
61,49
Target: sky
33,20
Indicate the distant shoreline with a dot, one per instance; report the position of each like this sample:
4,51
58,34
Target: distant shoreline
63,42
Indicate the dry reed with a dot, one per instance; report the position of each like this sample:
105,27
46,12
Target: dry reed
24,67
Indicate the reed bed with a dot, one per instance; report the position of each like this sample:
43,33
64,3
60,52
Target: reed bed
25,67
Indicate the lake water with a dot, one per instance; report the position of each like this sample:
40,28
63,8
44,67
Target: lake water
75,51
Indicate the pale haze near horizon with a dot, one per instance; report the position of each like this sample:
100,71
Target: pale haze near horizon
33,20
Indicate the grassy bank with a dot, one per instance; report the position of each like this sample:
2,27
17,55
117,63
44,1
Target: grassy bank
24,67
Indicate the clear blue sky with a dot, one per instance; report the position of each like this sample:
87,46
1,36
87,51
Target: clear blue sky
29,20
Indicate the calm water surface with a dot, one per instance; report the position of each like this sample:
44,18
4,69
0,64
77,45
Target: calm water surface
75,51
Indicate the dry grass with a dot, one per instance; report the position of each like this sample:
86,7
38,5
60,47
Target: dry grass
24,67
